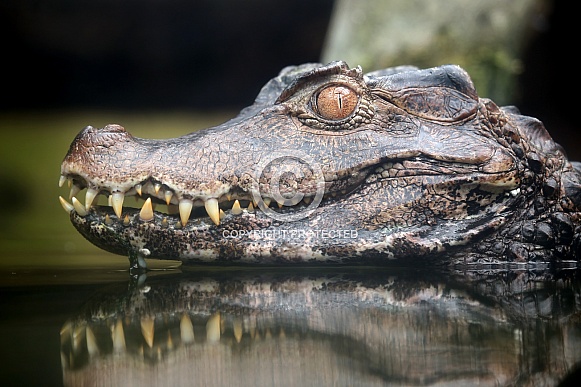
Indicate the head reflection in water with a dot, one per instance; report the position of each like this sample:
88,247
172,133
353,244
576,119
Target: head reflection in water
365,327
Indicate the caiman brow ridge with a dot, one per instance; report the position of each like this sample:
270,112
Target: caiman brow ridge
330,165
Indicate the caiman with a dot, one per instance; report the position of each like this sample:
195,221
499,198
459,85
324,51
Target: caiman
333,165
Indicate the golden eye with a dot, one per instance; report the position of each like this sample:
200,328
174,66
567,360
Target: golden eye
336,102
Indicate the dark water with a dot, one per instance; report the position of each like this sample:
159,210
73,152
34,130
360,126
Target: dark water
306,326
71,314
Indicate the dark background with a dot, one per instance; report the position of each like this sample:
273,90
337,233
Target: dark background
178,54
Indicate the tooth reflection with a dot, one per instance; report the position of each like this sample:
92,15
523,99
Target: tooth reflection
213,328
237,328
92,347
118,337
147,329
186,329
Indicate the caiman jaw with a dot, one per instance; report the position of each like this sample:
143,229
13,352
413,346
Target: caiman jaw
153,193
157,194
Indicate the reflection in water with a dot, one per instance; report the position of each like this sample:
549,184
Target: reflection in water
364,327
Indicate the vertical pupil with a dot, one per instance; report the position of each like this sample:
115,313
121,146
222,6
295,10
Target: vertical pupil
336,102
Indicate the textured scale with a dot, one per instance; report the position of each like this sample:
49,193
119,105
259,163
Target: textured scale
333,165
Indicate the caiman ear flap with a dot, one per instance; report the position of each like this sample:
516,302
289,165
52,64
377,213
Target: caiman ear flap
534,130
443,93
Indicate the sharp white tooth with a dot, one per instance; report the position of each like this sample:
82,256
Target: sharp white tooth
117,202
108,220
236,209
147,329
126,221
185,207
75,189
250,208
267,201
168,194
81,210
90,196
138,189
186,329
146,212
118,337
68,207
222,214
213,210
62,180
213,328
157,187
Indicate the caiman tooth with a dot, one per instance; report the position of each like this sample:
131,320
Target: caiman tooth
156,188
250,208
117,202
118,337
168,195
81,210
185,207
213,210
90,196
75,189
236,209
222,214
68,207
62,180
138,188
147,329
146,212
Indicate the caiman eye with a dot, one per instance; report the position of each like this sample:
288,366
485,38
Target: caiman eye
336,102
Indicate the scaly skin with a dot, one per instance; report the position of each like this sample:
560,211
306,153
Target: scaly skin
398,164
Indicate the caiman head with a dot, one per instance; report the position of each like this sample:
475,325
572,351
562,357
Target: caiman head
333,165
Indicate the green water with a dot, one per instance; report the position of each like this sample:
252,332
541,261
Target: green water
35,233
